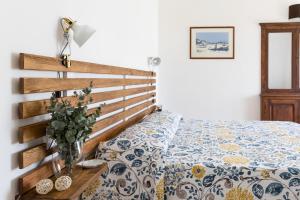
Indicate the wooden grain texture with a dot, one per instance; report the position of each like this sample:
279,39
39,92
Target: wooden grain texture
38,85
81,180
120,116
32,131
108,108
39,152
294,95
29,180
280,104
280,108
37,130
280,26
34,108
35,153
295,59
43,63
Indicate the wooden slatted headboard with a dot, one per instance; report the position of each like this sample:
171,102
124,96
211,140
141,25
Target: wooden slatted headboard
141,104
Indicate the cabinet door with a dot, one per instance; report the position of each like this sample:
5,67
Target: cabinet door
281,110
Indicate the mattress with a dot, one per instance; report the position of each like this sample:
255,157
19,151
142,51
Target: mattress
233,160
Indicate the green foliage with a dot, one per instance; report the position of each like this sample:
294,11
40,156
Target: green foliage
70,124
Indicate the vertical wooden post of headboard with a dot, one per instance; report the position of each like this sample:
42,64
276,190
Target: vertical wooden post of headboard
150,84
65,75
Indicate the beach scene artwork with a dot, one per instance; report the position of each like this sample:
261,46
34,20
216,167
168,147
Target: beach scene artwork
212,43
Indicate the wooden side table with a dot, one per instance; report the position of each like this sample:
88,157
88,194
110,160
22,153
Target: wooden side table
81,180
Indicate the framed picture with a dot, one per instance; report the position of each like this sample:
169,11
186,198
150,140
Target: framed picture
212,42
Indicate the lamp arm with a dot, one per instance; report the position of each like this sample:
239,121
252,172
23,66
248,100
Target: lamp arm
66,24
65,46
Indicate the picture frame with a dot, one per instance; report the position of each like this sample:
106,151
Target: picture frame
212,42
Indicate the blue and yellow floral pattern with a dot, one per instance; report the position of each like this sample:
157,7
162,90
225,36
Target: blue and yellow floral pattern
163,158
135,160
236,160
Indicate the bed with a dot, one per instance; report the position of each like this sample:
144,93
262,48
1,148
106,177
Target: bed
164,157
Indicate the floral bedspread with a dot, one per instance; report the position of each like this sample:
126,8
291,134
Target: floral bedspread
163,158
233,160
135,161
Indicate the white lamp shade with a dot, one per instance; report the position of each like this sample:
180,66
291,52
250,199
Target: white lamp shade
81,33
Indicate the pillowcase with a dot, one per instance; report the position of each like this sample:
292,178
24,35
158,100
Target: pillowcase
156,130
137,154
164,122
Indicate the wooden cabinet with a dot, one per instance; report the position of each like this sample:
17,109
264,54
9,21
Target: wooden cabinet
280,88
280,108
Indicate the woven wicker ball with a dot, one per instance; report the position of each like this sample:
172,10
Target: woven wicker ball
63,183
44,186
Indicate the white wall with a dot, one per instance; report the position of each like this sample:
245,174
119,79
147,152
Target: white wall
126,35
214,89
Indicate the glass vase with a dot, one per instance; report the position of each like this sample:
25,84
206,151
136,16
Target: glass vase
71,155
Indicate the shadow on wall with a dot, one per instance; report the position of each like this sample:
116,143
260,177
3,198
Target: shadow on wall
14,91
14,128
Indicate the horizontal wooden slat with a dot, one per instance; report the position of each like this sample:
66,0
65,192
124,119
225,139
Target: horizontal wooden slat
36,154
35,108
108,108
36,85
122,115
29,180
32,131
43,63
37,130
278,26
33,155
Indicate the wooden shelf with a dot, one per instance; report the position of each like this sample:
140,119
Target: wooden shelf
82,178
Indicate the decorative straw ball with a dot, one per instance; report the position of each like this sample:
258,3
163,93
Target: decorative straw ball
63,183
44,186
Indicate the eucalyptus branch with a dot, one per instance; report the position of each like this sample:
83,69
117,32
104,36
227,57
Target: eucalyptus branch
70,124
